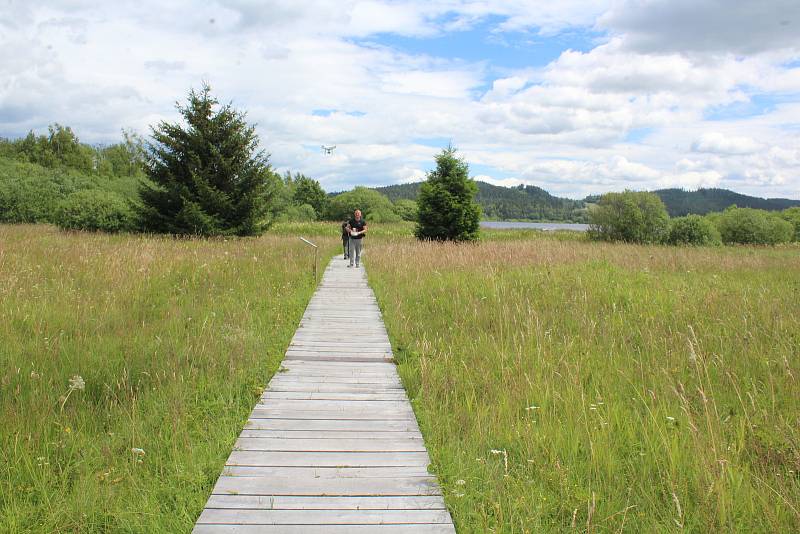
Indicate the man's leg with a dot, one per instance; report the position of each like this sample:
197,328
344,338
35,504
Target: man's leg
353,244
346,246
358,251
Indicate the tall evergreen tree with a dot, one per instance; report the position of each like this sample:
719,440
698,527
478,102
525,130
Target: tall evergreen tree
209,177
446,203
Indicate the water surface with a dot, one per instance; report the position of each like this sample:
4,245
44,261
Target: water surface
508,225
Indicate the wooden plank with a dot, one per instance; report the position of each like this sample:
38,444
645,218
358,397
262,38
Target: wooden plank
328,445
325,472
344,405
329,459
322,517
294,502
368,395
322,425
325,529
325,486
316,434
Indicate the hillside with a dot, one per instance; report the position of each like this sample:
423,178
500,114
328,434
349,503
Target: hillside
702,201
521,202
534,203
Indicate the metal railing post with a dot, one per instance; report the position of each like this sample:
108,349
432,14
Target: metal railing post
316,249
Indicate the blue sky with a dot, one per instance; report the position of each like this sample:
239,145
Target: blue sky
578,97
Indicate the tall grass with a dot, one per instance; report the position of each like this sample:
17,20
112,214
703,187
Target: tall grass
570,386
172,340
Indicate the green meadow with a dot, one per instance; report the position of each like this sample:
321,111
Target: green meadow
570,386
562,385
172,341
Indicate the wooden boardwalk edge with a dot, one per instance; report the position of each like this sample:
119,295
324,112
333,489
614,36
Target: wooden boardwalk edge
332,445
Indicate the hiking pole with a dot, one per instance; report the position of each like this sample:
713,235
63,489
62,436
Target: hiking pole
316,248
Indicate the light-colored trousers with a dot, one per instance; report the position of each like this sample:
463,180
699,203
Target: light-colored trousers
355,251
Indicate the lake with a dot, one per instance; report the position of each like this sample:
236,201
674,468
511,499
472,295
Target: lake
508,225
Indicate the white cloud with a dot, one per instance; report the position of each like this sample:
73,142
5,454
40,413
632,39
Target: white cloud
715,26
717,143
102,66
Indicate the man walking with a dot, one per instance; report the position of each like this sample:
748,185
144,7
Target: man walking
346,240
357,227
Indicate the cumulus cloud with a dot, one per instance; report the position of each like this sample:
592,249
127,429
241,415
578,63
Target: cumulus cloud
717,143
701,26
568,126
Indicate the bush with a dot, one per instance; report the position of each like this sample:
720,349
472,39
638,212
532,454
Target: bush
375,206
630,216
302,213
94,210
793,216
693,230
753,227
406,208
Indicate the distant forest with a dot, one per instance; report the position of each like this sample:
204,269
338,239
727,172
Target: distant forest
536,204
702,201
508,203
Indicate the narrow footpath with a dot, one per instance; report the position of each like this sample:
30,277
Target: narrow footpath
333,445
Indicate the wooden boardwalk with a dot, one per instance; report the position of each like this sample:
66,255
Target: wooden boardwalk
333,445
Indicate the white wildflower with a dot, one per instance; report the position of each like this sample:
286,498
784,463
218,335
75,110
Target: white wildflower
137,451
461,482
529,408
77,382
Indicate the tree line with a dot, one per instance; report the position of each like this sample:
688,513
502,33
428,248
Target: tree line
642,217
205,176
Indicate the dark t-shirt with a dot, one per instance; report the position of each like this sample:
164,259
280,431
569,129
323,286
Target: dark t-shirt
345,233
357,225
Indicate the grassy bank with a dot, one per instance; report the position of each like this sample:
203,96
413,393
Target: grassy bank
173,340
565,385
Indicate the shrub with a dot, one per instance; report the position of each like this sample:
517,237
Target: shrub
693,230
446,202
302,213
793,216
634,217
406,208
753,227
94,210
375,206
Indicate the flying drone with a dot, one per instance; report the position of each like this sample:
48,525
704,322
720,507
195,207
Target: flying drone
328,150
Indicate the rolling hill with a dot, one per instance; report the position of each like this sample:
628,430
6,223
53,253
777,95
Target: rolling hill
534,203
520,202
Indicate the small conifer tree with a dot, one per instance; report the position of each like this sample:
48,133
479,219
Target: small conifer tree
446,204
208,177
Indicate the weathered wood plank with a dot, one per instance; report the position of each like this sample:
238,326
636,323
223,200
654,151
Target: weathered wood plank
325,486
325,529
328,444
295,502
328,459
325,472
329,434
324,425
322,517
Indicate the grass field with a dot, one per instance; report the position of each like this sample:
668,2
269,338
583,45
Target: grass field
173,341
561,385
569,386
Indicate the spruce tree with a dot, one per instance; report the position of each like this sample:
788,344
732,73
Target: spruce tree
446,202
208,177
